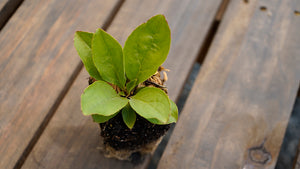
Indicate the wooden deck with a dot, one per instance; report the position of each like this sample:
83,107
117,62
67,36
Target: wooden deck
235,116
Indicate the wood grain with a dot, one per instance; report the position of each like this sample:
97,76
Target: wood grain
71,140
243,96
37,61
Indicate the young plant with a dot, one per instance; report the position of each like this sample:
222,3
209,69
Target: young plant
119,71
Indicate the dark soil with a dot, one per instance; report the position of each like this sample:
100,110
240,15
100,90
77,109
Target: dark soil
117,135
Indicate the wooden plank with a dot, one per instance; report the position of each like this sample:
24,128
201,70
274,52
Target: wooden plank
7,9
244,93
71,140
37,61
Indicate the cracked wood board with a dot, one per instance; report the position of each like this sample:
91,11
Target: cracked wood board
238,109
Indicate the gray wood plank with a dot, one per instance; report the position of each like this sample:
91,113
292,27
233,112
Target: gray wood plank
239,106
37,61
71,140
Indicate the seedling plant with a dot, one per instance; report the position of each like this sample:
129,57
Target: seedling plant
120,71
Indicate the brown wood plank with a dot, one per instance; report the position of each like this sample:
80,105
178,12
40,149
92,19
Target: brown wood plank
71,139
244,93
7,9
37,61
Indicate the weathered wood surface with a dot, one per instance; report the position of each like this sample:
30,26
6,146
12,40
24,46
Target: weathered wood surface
71,140
7,9
37,61
244,93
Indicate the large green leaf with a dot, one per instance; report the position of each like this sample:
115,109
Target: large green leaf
147,48
108,58
173,115
129,116
101,119
100,98
82,43
151,103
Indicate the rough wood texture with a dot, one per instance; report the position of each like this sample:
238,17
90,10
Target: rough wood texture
37,61
7,9
71,140
238,109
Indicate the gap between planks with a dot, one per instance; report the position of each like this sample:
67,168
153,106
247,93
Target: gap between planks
212,31
63,93
7,10
182,97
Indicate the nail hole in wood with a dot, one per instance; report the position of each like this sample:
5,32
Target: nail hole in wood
297,13
259,154
263,8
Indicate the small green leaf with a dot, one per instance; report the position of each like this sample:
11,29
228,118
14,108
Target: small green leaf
151,103
82,43
174,113
101,119
130,85
100,98
108,58
129,116
147,48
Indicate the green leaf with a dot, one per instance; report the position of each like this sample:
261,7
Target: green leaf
129,116
100,98
82,43
130,85
174,113
151,103
108,58
155,121
147,48
101,119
